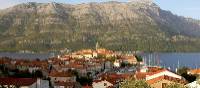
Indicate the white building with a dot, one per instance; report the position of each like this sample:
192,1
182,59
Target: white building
194,84
117,63
163,73
61,77
42,83
101,84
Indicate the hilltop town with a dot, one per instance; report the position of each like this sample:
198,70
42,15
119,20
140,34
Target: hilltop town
87,68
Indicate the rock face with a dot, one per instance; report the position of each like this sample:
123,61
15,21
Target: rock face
133,25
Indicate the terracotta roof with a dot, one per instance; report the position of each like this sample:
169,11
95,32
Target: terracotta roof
85,51
154,69
90,51
194,71
5,61
142,75
166,78
159,71
87,86
17,81
96,81
31,63
113,77
104,51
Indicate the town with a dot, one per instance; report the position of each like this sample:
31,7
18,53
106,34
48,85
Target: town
91,68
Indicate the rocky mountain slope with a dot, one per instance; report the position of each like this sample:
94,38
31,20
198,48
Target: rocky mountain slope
136,25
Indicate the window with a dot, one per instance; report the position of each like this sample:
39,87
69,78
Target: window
164,85
105,84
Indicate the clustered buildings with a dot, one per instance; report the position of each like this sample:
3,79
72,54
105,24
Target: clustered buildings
100,68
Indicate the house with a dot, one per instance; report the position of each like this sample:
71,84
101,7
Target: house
23,83
152,75
56,76
5,61
194,71
105,52
163,81
94,67
158,77
163,72
108,65
194,84
102,84
81,69
129,59
89,53
113,78
148,72
117,63
64,57
86,53
42,83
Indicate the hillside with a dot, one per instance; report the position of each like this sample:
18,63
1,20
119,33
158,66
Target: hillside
137,25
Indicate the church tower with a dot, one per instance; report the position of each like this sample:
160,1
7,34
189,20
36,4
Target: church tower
97,46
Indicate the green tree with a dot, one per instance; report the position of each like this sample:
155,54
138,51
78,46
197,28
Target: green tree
139,58
84,80
183,72
132,83
175,85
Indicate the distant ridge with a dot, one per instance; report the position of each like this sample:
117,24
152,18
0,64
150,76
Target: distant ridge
134,25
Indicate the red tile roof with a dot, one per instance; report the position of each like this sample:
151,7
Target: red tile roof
104,51
17,81
90,51
5,61
85,51
194,71
113,77
142,75
159,71
110,81
154,69
166,78
87,86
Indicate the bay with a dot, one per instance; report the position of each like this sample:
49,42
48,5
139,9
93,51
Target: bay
172,61
29,56
166,60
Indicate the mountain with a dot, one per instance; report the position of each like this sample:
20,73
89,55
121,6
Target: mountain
135,25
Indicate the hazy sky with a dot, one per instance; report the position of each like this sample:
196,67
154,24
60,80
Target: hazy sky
187,8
